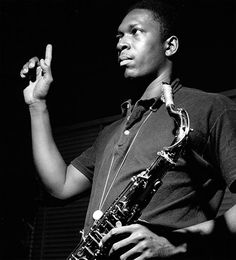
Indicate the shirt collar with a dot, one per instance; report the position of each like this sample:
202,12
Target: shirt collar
155,88
151,103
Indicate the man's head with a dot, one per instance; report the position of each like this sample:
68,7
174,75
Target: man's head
166,12
147,39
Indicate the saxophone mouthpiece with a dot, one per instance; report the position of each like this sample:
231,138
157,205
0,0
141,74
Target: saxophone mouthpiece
167,96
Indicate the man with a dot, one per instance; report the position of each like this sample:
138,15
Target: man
184,208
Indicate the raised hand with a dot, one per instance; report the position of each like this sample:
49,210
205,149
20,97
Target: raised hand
37,90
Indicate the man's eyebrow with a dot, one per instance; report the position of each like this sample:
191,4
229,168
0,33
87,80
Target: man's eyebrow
119,32
130,27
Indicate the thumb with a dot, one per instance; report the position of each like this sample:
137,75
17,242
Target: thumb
45,68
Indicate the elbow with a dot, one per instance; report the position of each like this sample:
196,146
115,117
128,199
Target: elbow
58,194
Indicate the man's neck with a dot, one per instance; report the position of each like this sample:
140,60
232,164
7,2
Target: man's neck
154,89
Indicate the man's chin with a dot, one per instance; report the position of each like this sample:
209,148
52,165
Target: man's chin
130,74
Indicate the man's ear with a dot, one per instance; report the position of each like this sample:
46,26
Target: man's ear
171,45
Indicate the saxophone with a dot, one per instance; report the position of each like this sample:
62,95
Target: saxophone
128,206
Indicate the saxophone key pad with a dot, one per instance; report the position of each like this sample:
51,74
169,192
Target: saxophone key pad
97,214
126,132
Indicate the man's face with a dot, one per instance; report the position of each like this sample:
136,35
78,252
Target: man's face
140,50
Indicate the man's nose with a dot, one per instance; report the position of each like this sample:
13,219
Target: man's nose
122,44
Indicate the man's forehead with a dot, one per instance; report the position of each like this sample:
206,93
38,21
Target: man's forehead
137,17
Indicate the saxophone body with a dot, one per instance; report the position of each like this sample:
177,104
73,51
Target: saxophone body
128,206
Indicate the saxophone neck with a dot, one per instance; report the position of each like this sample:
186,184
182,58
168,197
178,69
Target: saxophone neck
167,98
180,115
167,94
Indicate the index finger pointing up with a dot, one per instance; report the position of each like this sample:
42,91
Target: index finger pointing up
48,54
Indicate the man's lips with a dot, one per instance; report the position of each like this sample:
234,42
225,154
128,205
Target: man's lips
124,59
125,62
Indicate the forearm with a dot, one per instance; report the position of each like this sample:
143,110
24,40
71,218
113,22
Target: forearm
215,236
208,227
49,162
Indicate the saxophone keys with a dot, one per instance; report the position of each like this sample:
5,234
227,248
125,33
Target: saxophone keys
82,234
157,184
97,214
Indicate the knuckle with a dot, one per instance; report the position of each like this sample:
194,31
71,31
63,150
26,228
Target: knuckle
136,226
148,255
139,235
34,59
122,257
31,62
25,67
113,232
144,244
114,247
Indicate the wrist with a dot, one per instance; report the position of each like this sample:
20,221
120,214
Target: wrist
167,247
38,106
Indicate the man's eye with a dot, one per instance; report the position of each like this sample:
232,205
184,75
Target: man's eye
118,36
135,31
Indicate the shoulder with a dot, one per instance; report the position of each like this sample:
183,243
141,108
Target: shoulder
206,110
196,99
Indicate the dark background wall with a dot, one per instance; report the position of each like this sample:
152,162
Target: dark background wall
84,56
86,74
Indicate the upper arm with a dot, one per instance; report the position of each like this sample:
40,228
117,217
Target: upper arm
75,183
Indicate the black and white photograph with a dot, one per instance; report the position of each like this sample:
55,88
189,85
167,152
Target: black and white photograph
118,124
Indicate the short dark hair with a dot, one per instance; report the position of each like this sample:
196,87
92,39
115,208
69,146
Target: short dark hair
166,12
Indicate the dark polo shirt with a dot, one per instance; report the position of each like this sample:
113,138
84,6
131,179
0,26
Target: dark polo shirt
192,192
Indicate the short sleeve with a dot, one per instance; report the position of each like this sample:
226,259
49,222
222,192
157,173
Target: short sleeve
85,162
